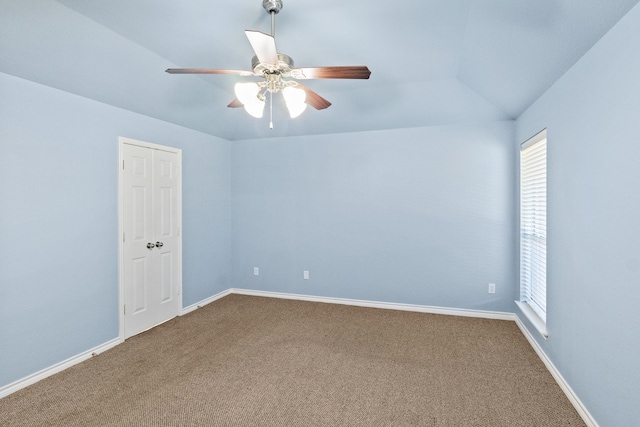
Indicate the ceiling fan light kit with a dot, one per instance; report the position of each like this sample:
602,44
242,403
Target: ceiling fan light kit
277,69
295,99
250,97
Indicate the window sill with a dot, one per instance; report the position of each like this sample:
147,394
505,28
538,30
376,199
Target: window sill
533,318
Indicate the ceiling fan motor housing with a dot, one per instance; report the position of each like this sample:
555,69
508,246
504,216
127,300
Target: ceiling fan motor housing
272,5
285,65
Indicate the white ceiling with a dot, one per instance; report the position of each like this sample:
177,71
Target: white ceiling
433,62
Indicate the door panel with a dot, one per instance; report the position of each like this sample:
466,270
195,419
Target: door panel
151,246
166,265
139,203
166,207
139,285
165,217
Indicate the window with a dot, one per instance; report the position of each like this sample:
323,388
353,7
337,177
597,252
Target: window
533,231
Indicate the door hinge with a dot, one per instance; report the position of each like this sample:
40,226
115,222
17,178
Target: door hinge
123,238
125,310
123,165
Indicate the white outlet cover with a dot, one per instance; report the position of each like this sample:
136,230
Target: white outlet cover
305,275
256,271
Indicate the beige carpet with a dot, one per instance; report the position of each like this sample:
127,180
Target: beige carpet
251,361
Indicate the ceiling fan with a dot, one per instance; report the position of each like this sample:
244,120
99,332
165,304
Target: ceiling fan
277,70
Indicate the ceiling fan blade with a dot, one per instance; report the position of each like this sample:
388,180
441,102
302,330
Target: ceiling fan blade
235,103
207,71
264,46
340,72
313,99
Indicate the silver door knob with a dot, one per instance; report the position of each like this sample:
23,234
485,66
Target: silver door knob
159,244
150,246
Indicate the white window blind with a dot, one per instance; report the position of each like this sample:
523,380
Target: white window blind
533,225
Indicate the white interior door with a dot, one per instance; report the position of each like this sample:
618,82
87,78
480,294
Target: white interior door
151,243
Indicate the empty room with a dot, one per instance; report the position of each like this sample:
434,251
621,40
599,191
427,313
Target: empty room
291,212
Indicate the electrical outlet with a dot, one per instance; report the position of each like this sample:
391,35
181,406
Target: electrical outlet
305,274
256,271
492,288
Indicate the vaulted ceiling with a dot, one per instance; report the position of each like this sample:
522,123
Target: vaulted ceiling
433,62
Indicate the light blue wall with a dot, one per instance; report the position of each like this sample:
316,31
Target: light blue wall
58,220
422,216
417,216
593,120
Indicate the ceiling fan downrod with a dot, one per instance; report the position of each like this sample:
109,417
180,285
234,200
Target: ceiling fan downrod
272,7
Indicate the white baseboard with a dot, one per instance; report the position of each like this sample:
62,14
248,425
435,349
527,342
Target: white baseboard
499,315
568,391
58,367
204,302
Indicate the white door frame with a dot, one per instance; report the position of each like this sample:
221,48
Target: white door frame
121,282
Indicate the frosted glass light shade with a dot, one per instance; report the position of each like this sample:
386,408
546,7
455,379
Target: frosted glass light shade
295,99
247,93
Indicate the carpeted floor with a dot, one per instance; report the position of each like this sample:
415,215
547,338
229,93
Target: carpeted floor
252,361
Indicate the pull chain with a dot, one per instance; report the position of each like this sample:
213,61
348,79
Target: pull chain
273,34
270,110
